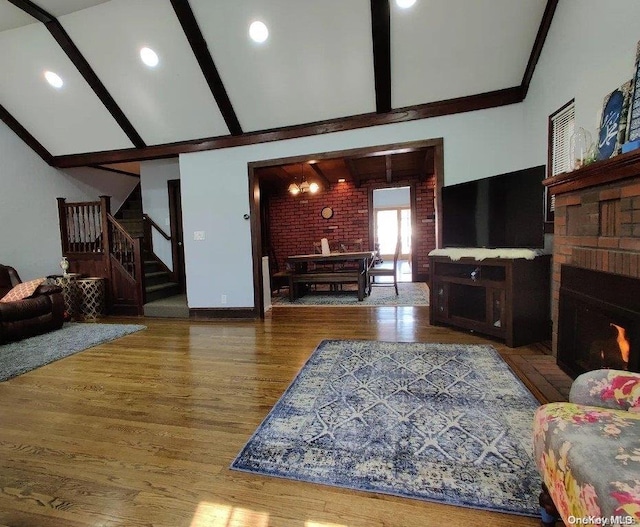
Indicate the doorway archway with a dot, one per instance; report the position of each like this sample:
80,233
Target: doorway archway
419,163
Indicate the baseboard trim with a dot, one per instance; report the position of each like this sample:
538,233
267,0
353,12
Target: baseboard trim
208,313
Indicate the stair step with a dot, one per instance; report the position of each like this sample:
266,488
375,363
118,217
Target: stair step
156,277
131,214
155,292
151,266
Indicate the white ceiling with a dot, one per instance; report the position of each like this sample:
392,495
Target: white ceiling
317,64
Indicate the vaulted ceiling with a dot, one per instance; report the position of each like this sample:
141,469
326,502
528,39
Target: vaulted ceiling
327,65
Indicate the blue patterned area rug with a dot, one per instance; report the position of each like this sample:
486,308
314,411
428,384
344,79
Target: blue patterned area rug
441,422
25,355
409,294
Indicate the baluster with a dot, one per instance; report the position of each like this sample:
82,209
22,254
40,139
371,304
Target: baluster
96,232
69,226
76,220
85,228
90,238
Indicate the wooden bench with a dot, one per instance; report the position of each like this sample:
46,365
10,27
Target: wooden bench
338,277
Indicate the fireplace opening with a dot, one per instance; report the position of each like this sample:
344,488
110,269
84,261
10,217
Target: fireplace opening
598,322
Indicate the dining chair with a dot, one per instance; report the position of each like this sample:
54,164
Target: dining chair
386,271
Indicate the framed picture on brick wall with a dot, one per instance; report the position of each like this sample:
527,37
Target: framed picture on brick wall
633,129
613,124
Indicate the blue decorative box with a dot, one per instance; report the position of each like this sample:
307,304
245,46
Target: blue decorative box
631,145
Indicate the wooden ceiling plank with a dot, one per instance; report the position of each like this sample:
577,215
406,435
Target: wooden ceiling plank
353,171
429,162
424,111
201,51
64,41
323,179
381,33
388,171
23,134
536,51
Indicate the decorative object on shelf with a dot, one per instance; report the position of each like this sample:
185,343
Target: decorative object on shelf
304,186
326,213
633,133
64,265
581,149
613,125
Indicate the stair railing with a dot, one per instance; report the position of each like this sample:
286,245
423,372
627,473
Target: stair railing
125,256
80,226
97,245
149,224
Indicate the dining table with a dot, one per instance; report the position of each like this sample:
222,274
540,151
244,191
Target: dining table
318,268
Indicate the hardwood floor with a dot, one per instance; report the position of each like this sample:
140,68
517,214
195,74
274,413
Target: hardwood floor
141,431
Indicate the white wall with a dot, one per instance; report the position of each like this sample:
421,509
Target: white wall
93,182
215,191
155,201
29,228
589,52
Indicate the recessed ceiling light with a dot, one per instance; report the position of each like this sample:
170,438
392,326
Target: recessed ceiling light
258,31
405,4
149,57
341,180
53,79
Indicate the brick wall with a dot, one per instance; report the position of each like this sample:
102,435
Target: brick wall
597,228
295,222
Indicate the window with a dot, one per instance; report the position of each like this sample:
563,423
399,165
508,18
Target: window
561,126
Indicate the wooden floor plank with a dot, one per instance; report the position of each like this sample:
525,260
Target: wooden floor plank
141,431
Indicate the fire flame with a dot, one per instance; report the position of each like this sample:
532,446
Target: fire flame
622,341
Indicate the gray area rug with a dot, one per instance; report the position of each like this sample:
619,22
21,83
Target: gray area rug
410,294
25,355
441,422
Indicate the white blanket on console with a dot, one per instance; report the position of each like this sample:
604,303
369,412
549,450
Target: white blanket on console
480,253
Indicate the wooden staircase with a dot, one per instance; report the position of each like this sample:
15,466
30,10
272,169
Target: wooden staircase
118,248
158,279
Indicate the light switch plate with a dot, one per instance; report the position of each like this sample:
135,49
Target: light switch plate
198,235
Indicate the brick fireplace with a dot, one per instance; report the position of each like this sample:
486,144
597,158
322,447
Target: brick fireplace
596,228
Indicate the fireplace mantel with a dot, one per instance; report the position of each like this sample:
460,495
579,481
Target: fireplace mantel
599,173
597,221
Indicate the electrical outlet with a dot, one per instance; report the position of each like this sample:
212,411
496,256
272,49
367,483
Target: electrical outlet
223,299
198,235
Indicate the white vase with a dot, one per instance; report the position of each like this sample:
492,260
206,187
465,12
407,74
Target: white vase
64,265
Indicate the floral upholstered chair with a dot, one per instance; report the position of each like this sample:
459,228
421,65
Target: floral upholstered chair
588,451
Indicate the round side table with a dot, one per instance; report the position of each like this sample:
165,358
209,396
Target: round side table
70,293
91,293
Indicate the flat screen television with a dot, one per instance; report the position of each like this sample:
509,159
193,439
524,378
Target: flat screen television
499,211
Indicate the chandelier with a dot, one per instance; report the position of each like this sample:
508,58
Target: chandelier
304,185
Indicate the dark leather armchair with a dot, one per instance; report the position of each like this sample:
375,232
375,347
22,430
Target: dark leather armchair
40,313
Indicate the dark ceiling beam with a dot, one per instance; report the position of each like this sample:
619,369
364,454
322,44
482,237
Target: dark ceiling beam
470,103
201,51
323,179
429,162
23,134
353,171
387,168
381,33
64,41
543,31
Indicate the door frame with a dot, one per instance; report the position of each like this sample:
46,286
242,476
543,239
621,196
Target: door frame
254,198
397,209
177,233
